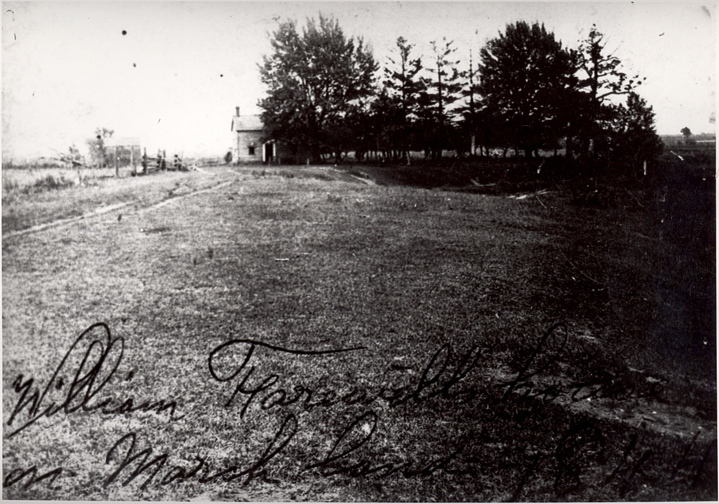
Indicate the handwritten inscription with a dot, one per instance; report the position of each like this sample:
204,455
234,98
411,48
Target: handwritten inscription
253,384
201,472
437,379
85,372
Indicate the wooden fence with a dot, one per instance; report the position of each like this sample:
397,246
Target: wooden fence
160,162
128,150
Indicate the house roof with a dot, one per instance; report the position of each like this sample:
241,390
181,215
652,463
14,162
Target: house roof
246,123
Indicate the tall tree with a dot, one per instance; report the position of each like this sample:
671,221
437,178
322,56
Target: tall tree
401,79
443,90
314,79
601,81
477,126
402,87
634,140
527,82
383,118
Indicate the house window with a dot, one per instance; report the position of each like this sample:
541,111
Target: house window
251,150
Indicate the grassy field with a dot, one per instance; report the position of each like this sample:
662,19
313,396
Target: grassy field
356,335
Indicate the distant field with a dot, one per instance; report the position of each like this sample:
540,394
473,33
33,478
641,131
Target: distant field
334,334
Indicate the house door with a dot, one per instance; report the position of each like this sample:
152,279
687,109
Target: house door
269,152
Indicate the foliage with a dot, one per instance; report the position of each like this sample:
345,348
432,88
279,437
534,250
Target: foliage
72,157
13,187
527,81
601,80
346,132
473,121
634,139
688,136
96,146
384,115
437,103
602,74
527,92
537,94
314,79
397,105
402,82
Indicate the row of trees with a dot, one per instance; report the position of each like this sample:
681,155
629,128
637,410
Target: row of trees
327,95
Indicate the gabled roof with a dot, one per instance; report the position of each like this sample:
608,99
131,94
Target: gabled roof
246,123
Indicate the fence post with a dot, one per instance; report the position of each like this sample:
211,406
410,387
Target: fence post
117,171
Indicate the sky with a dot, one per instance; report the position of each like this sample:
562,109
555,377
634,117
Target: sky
171,73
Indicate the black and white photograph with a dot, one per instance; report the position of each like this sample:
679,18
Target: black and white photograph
359,251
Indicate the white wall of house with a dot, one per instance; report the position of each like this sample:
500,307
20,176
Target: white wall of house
248,147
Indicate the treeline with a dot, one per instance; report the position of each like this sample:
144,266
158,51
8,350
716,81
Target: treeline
326,96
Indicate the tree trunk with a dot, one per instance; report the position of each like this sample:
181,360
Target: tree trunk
315,155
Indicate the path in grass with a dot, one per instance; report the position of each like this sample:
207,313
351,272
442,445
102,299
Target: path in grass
27,213
454,384
108,209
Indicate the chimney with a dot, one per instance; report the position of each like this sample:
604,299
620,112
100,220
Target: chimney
237,111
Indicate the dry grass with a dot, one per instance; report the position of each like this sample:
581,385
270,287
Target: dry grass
297,261
41,196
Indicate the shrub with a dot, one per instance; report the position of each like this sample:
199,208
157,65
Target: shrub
50,182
